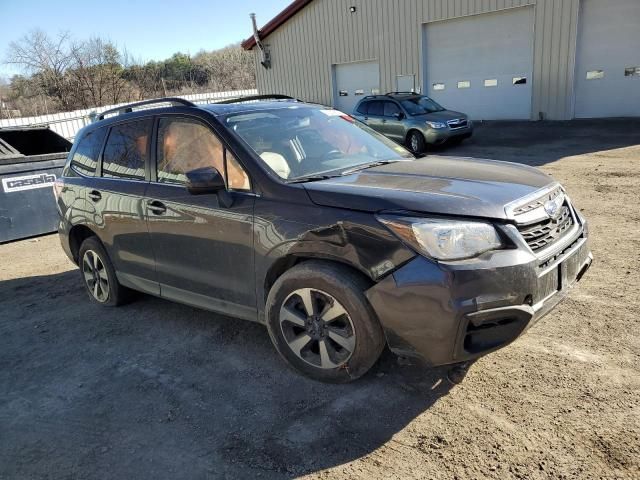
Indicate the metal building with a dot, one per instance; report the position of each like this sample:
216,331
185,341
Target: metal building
495,59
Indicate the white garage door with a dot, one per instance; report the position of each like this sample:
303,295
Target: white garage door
608,59
481,65
352,81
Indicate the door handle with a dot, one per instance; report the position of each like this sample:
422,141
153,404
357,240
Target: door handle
156,207
94,195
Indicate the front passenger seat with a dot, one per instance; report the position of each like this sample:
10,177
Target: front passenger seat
277,163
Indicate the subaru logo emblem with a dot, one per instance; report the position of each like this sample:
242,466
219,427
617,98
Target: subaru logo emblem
553,206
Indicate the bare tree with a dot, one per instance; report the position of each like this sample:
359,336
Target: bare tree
65,74
228,68
145,78
96,72
47,57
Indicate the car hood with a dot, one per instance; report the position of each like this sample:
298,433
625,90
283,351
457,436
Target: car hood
442,116
432,184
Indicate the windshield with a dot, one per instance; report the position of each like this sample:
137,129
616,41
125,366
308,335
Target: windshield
421,105
303,141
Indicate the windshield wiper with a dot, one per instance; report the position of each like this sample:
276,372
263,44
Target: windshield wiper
367,165
311,178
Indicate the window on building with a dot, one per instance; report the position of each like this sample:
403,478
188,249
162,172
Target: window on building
464,84
595,74
519,80
85,158
438,86
632,72
491,82
127,150
185,144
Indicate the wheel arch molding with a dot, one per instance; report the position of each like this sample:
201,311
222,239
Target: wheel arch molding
373,258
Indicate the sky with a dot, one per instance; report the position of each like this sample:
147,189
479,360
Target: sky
149,29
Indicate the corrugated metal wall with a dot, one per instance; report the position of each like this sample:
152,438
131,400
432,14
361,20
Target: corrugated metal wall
325,33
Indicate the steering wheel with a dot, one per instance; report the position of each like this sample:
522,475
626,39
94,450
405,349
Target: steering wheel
335,153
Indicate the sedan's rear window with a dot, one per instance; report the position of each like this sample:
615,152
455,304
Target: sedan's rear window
302,141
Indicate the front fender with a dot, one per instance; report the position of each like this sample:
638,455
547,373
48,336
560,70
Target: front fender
367,247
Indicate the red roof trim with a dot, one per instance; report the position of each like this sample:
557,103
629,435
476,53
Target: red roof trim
275,23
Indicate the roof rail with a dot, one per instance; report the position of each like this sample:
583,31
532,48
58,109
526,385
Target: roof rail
400,93
129,108
253,98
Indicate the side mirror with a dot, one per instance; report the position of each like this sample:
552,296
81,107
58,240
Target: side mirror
204,180
399,115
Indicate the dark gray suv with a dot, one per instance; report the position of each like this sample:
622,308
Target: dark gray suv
303,219
413,120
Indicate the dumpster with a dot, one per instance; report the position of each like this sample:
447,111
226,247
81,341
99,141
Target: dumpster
31,158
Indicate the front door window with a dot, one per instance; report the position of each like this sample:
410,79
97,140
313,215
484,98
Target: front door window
185,144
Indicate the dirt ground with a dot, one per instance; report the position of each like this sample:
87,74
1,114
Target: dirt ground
159,390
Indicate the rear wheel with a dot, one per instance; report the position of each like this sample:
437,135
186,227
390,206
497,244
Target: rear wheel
416,142
98,275
322,324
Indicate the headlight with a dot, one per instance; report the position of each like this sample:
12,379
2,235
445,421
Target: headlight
437,124
445,239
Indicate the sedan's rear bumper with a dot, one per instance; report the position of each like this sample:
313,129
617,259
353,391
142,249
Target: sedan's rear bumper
449,313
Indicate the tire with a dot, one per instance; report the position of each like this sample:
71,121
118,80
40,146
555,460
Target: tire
342,313
416,142
95,265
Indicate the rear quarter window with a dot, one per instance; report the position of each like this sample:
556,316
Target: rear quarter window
85,157
363,108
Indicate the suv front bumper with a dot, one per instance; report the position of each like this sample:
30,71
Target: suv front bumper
437,136
454,312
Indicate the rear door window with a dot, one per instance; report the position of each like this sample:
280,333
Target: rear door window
391,109
127,150
376,108
85,158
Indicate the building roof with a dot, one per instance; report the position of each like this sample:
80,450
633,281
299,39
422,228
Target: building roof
275,23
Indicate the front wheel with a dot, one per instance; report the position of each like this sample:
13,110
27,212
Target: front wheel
416,142
98,275
322,324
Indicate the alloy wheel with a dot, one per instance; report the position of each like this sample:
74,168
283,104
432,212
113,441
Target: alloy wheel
95,276
414,142
317,328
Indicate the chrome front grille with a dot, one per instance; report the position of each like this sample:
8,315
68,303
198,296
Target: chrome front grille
457,123
543,218
544,233
538,202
